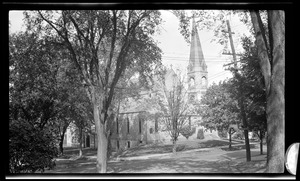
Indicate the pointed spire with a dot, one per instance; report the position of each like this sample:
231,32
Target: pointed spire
196,54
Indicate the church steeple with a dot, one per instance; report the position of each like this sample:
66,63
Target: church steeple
196,54
197,69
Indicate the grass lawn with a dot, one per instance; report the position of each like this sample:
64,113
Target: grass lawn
181,146
213,160
72,152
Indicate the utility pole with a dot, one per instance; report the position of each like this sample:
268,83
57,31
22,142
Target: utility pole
234,54
231,43
240,99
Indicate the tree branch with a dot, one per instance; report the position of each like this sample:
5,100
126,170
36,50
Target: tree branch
112,48
263,54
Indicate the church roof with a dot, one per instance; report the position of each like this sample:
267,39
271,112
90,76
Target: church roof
196,54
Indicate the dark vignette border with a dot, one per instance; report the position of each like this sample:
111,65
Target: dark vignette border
290,86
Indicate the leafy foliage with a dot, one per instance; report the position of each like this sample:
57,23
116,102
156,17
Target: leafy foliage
30,148
200,134
219,109
187,131
213,20
220,102
32,104
43,90
252,87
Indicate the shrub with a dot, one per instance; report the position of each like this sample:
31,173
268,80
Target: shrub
200,134
222,133
187,131
239,135
30,149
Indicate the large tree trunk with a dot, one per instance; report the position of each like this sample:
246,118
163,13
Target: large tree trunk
101,136
273,71
102,150
275,98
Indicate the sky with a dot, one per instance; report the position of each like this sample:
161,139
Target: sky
175,49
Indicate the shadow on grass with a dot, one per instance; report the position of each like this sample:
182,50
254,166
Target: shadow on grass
68,153
214,143
74,166
154,149
165,165
238,147
234,162
190,165
159,149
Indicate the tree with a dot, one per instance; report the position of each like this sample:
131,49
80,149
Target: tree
62,126
43,89
81,124
187,131
271,52
102,44
173,104
71,97
254,90
219,110
32,102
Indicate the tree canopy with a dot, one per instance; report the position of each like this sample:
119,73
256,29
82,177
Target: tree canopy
102,44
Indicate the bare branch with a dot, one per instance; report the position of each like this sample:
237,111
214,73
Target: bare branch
52,25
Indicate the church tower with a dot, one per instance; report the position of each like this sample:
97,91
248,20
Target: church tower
197,69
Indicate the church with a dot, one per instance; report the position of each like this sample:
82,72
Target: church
137,123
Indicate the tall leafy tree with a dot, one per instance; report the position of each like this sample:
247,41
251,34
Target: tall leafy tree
43,91
219,109
254,90
32,103
73,102
102,44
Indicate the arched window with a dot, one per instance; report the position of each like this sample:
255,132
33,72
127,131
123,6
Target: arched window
203,80
192,82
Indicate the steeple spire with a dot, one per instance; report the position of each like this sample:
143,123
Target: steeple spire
196,55
197,69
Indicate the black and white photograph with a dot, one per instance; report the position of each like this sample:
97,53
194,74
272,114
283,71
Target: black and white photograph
148,91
